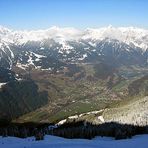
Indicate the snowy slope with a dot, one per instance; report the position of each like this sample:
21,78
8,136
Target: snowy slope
57,142
135,113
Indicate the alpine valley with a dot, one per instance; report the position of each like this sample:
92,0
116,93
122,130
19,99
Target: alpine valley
97,75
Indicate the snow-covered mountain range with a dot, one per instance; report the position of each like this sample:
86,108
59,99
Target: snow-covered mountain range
45,48
128,35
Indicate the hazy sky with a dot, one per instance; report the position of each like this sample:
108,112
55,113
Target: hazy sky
39,14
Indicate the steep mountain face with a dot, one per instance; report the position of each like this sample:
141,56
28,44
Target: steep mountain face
56,47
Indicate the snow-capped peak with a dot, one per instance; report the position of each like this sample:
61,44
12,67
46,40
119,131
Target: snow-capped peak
4,30
136,36
129,35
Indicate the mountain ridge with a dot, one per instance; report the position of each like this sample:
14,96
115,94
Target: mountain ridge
119,33
72,46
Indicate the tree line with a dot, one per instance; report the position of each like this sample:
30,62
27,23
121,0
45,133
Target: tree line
80,129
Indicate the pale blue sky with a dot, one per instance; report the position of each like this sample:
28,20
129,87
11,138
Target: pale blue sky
40,14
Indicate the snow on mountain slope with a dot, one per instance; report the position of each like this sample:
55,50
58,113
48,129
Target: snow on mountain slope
1,84
135,113
139,141
121,45
21,37
129,35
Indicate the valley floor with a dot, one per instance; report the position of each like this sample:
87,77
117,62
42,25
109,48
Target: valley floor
140,141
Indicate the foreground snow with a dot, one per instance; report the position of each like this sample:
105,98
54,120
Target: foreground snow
140,141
